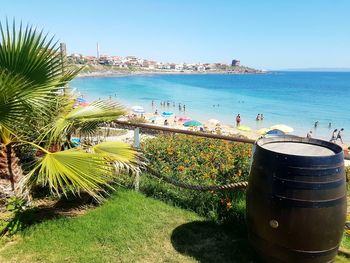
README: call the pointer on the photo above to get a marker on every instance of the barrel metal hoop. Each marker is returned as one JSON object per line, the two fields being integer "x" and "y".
{"x": 290, "y": 202}
{"x": 263, "y": 244}
{"x": 282, "y": 183}
{"x": 287, "y": 171}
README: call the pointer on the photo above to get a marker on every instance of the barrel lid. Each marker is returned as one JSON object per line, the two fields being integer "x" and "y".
{"x": 298, "y": 146}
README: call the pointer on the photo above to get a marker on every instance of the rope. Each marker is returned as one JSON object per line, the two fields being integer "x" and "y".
{"x": 239, "y": 185}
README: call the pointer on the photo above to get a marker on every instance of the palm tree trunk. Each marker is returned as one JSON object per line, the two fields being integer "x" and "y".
{"x": 10, "y": 173}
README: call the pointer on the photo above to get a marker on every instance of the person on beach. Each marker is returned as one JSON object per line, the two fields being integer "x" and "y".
{"x": 156, "y": 112}
{"x": 339, "y": 135}
{"x": 261, "y": 116}
{"x": 152, "y": 103}
{"x": 258, "y": 117}
{"x": 309, "y": 135}
{"x": 184, "y": 107}
{"x": 166, "y": 123}
{"x": 218, "y": 129}
{"x": 238, "y": 120}
{"x": 316, "y": 124}
{"x": 329, "y": 125}
{"x": 175, "y": 120}
{"x": 334, "y": 136}
{"x": 180, "y": 108}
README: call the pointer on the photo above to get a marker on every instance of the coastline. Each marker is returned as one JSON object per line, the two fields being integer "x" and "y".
{"x": 124, "y": 73}
{"x": 199, "y": 101}
{"x": 210, "y": 126}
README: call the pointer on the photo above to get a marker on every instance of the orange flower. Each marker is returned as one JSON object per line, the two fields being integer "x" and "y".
{"x": 180, "y": 168}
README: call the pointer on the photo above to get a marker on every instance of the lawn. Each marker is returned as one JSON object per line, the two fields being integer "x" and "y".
{"x": 130, "y": 227}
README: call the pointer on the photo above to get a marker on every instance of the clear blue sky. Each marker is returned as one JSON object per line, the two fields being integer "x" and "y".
{"x": 268, "y": 34}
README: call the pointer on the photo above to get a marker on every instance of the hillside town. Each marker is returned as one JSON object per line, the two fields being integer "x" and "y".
{"x": 141, "y": 64}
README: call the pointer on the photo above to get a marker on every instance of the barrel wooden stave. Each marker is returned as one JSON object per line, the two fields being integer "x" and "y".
{"x": 306, "y": 196}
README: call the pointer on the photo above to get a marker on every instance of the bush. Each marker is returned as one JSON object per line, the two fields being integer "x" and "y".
{"x": 347, "y": 173}
{"x": 198, "y": 161}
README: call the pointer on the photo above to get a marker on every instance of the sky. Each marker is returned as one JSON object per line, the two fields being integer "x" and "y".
{"x": 265, "y": 34}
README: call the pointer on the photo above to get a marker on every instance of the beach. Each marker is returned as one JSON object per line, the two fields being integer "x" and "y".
{"x": 291, "y": 98}
{"x": 211, "y": 126}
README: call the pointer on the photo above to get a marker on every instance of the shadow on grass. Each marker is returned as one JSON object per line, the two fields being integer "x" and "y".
{"x": 47, "y": 209}
{"x": 208, "y": 242}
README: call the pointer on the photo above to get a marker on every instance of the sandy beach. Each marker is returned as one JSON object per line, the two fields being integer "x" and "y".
{"x": 211, "y": 126}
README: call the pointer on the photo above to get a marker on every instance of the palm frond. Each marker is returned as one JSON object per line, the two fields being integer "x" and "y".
{"x": 123, "y": 157}
{"x": 72, "y": 171}
{"x": 98, "y": 110}
{"x": 33, "y": 55}
{"x": 31, "y": 73}
{"x": 116, "y": 151}
{"x": 85, "y": 117}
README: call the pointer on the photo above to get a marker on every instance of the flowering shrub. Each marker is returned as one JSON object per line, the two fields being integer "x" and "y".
{"x": 198, "y": 161}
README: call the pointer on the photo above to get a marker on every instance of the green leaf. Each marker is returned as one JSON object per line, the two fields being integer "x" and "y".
{"x": 85, "y": 118}
{"x": 72, "y": 171}
{"x": 115, "y": 151}
{"x": 31, "y": 74}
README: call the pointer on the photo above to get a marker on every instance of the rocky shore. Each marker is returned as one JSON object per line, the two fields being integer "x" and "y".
{"x": 110, "y": 71}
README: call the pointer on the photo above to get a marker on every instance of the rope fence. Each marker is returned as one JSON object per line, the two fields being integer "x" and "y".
{"x": 231, "y": 186}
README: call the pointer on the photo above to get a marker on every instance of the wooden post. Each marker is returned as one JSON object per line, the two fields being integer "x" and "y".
{"x": 63, "y": 52}
{"x": 137, "y": 137}
{"x": 137, "y": 181}
{"x": 137, "y": 146}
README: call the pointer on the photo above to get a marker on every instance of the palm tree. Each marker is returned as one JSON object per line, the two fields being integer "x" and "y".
{"x": 31, "y": 82}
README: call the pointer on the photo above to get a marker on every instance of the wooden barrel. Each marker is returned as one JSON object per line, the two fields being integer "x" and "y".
{"x": 296, "y": 199}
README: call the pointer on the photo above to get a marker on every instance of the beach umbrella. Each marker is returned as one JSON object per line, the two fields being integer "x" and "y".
{"x": 244, "y": 128}
{"x": 214, "y": 121}
{"x": 192, "y": 123}
{"x": 84, "y": 104}
{"x": 275, "y": 132}
{"x": 81, "y": 100}
{"x": 184, "y": 119}
{"x": 167, "y": 113}
{"x": 263, "y": 131}
{"x": 282, "y": 127}
{"x": 138, "y": 109}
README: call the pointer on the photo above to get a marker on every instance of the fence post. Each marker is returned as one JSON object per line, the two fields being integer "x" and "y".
{"x": 137, "y": 137}
{"x": 137, "y": 146}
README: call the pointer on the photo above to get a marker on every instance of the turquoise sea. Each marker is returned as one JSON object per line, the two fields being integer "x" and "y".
{"x": 297, "y": 99}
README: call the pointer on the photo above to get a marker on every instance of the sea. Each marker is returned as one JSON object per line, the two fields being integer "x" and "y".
{"x": 296, "y": 99}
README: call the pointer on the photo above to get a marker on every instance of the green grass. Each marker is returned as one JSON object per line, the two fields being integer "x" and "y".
{"x": 346, "y": 241}
{"x": 129, "y": 227}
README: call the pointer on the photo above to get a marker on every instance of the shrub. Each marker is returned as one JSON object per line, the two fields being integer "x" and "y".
{"x": 347, "y": 173}
{"x": 198, "y": 161}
